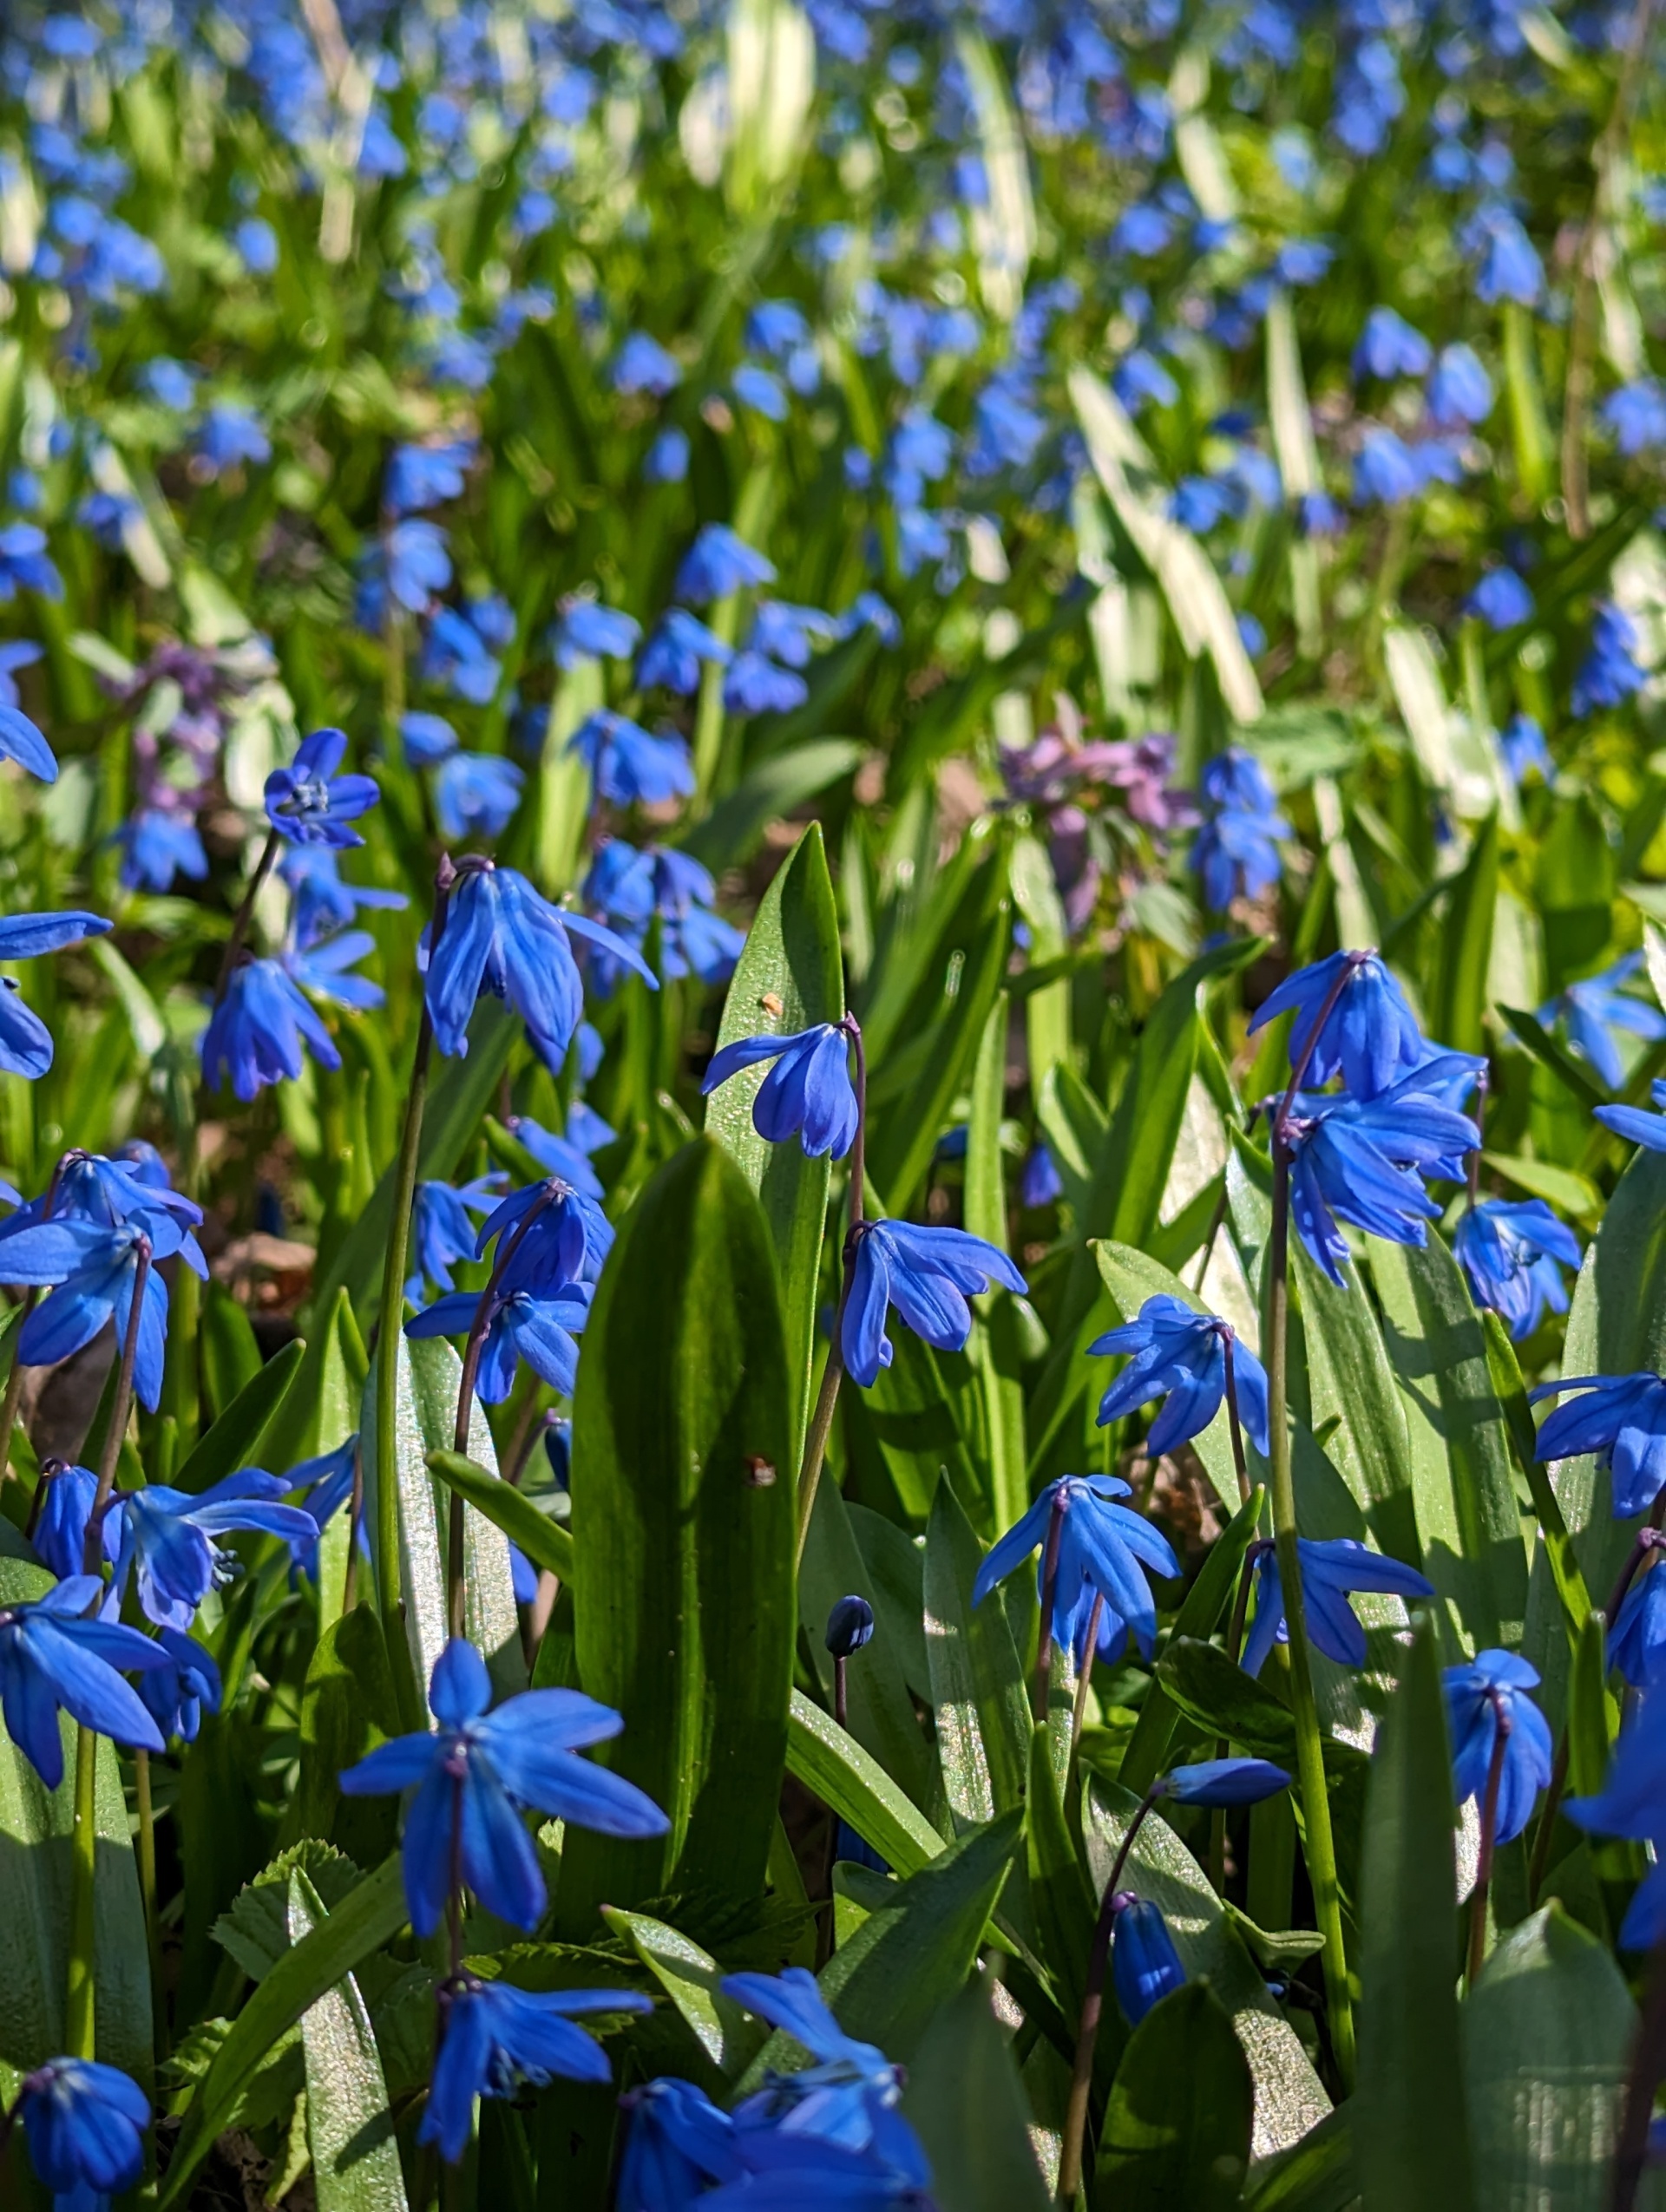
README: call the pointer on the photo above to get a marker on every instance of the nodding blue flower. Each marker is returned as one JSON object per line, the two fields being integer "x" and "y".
{"x": 1513, "y": 1255}
{"x": 1461, "y": 391}
{"x": 849, "y": 1626}
{"x": 90, "y": 1187}
{"x": 1522, "y": 743}
{"x": 1389, "y": 346}
{"x": 812, "y": 2171}
{"x": 1591, "y": 1009}
{"x": 493, "y": 2037}
{"x": 675, "y": 653}
{"x": 868, "y": 612}
{"x": 566, "y": 1237}
{"x": 1632, "y": 1803}
{"x": 500, "y": 935}
{"x": 755, "y": 685}
{"x": 1318, "y": 515}
{"x": 590, "y": 631}
{"x": 1475, "y": 1693}
{"x": 52, "y": 1655}
{"x": 167, "y": 1538}
{"x": 666, "y": 461}
{"x": 807, "y": 1094}
{"x": 1370, "y": 1036}
{"x": 16, "y": 653}
{"x": 85, "y": 2126}
{"x": 426, "y": 739}
{"x": 839, "y": 2096}
{"x": 1039, "y": 1182}
{"x": 308, "y": 803}
{"x": 157, "y": 844}
{"x": 1180, "y": 1356}
{"x": 557, "y": 1155}
{"x": 1362, "y": 1161}
{"x": 1332, "y": 1570}
{"x": 1102, "y": 1547}
{"x": 1636, "y": 415}
{"x": 1510, "y": 268}
{"x": 642, "y": 365}
{"x": 1501, "y": 599}
{"x": 477, "y": 793}
{"x": 92, "y": 1270}
{"x": 1145, "y": 1966}
{"x": 1636, "y": 1640}
{"x": 455, "y": 655}
{"x": 61, "y": 1530}
{"x": 1236, "y": 853}
{"x": 628, "y": 764}
{"x": 20, "y": 740}
{"x": 719, "y": 563}
{"x": 257, "y": 246}
{"x": 25, "y": 565}
{"x": 1139, "y": 376}
{"x": 927, "y": 1274}
{"x": 172, "y": 384}
{"x": 25, "y": 1041}
{"x": 1610, "y": 674}
{"x": 761, "y": 391}
{"x": 256, "y": 1034}
{"x": 175, "y": 1694}
{"x": 538, "y": 1330}
{"x": 106, "y": 516}
{"x": 1622, "y": 1419}
{"x": 480, "y": 1773}
{"x": 1200, "y": 502}
{"x": 1386, "y": 471}
{"x": 1636, "y": 1123}
{"x": 322, "y": 903}
{"x": 327, "y": 1482}
{"x": 785, "y": 632}
{"x": 324, "y": 967}
{"x": 420, "y": 476}
{"x": 676, "y": 2142}
{"x": 1224, "y": 1782}
{"x": 230, "y": 436}
{"x": 417, "y": 564}
{"x": 441, "y": 1231}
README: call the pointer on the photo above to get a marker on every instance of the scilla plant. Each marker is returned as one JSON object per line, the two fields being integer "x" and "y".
{"x": 832, "y": 864}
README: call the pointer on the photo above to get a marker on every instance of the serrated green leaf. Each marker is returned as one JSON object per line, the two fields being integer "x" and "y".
{"x": 256, "y": 1931}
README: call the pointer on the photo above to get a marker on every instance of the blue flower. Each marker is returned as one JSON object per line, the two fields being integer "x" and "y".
{"x": 808, "y": 1093}
{"x": 456, "y": 655}
{"x": 1522, "y": 742}
{"x": 1501, "y": 599}
{"x": 1622, "y": 1419}
{"x": 673, "y": 654}
{"x": 559, "y": 1155}
{"x": 785, "y": 632}
{"x": 1145, "y": 1966}
{"x": 788, "y": 2171}
{"x": 719, "y": 563}
{"x": 588, "y": 631}
{"x": 677, "y": 2142}
{"x": 20, "y": 740}
{"x": 1590, "y": 1010}
{"x": 1609, "y": 674}
{"x": 628, "y": 764}
{"x": 61, "y": 1531}
{"x": 1637, "y": 1642}
{"x": 1180, "y": 1356}
{"x": 1461, "y": 391}
{"x": 256, "y": 1033}
{"x": 25, "y": 1041}
{"x": 1370, "y": 1036}
{"x": 755, "y": 685}
{"x": 538, "y": 1330}
{"x": 1102, "y": 1547}
{"x": 230, "y": 436}
{"x": 927, "y": 1274}
{"x": 420, "y": 476}
{"x": 25, "y": 565}
{"x": 477, "y": 1775}
{"x": 167, "y": 1538}
{"x": 1331, "y": 1572}
{"x": 1636, "y": 1123}
{"x": 493, "y": 2037}
{"x": 1224, "y": 1782}
{"x": 1632, "y": 1803}
{"x": 175, "y": 1694}
{"x": 157, "y": 845}
{"x": 1510, "y": 1254}
{"x": 417, "y": 564}
{"x": 760, "y": 391}
{"x": 426, "y": 739}
{"x": 1475, "y": 1693}
{"x": 324, "y": 903}
{"x": 567, "y": 1237}
{"x": 1361, "y": 1161}
{"x": 172, "y": 384}
{"x": 1236, "y": 852}
{"x": 1636, "y": 415}
{"x": 1386, "y": 469}
{"x": 257, "y": 246}
{"x": 839, "y": 2096}
{"x": 442, "y": 1232}
{"x": 1389, "y": 346}
{"x": 1510, "y": 268}
{"x": 93, "y": 1270}
{"x": 477, "y": 793}
{"x": 308, "y": 803}
{"x": 1039, "y": 1182}
{"x": 52, "y": 1655}
{"x": 667, "y": 461}
{"x": 849, "y": 1626}
{"x": 642, "y": 365}
{"x": 85, "y": 2124}
{"x": 500, "y": 936}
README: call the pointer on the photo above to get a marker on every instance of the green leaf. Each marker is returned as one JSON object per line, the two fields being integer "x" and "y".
{"x": 1064, "y": 1904}
{"x": 1468, "y": 1516}
{"x": 791, "y": 961}
{"x": 230, "y": 1358}
{"x": 1561, "y": 1065}
{"x": 255, "y": 1931}
{"x": 231, "y": 1441}
{"x": 1219, "y": 1698}
{"x": 1177, "y": 2129}
{"x": 543, "y": 1539}
{"x": 977, "y": 1678}
{"x": 993, "y": 1349}
{"x": 429, "y": 1377}
{"x": 1456, "y": 997}
{"x": 348, "y": 1704}
{"x": 965, "y": 2100}
{"x": 777, "y": 786}
{"x": 1553, "y": 1537}
{"x": 1574, "y": 1194}
{"x": 693, "y": 1979}
{"x": 1410, "y": 2124}
{"x": 1351, "y": 1383}
{"x": 36, "y": 1825}
{"x": 1316, "y": 2174}
{"x": 368, "y": 1916}
{"x": 1547, "y": 2036}
{"x": 682, "y": 1507}
{"x": 348, "y": 2127}
{"x": 1288, "y": 2099}
{"x": 921, "y": 1416}
{"x": 851, "y": 1783}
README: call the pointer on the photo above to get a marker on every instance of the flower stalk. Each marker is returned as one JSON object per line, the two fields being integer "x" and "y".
{"x": 827, "y": 1399}
{"x": 1482, "y": 1890}
{"x": 1073, "y": 2149}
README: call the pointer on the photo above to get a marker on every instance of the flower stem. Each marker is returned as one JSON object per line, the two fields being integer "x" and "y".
{"x": 1321, "y": 1848}
{"x": 1489, "y": 1832}
{"x": 245, "y": 914}
{"x": 1079, "y": 1713}
{"x": 1073, "y": 2149}
{"x": 827, "y": 1399}
{"x": 1235, "y": 1428}
{"x": 91, "y": 1551}
{"x": 1049, "y": 1583}
{"x": 78, "y": 2023}
{"x": 146, "y": 1843}
{"x": 13, "y": 1386}
{"x": 1542, "y": 1833}
{"x": 1648, "y": 2063}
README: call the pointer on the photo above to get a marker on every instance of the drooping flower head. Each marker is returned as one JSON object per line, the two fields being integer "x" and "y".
{"x": 1632, "y": 1803}
{"x": 1513, "y": 1255}
{"x": 1487, "y": 1693}
{"x": 93, "y": 1273}
{"x": 1590, "y": 1011}
{"x": 85, "y": 2126}
{"x": 1180, "y": 1356}
{"x": 850, "y": 2082}
{"x": 493, "y": 2037}
{"x": 53, "y": 1656}
{"x": 538, "y": 1330}
{"x": 1333, "y": 1570}
{"x": 25, "y": 1041}
{"x": 1362, "y": 1161}
{"x": 1103, "y": 1546}
{"x": 167, "y": 1538}
{"x": 1622, "y": 1419}
{"x": 257, "y": 1033}
{"x": 927, "y": 1274}
{"x": 1145, "y": 1966}
{"x": 807, "y": 1094}
{"x": 1370, "y": 1037}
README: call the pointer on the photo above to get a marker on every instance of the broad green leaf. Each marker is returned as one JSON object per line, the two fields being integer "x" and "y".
{"x": 1289, "y": 2099}
{"x": 1316, "y": 2174}
{"x": 693, "y": 1979}
{"x": 230, "y": 1358}
{"x": 327, "y": 1402}
{"x": 543, "y": 1539}
{"x": 1561, "y": 1186}
{"x": 1414, "y": 2144}
{"x": 1351, "y": 1385}
{"x": 368, "y": 1916}
{"x": 429, "y": 1377}
{"x": 897, "y": 1570}
{"x": 1456, "y": 997}
{"x": 1553, "y": 1538}
{"x": 1046, "y": 1011}
{"x": 977, "y": 1678}
{"x": 348, "y": 2127}
{"x": 966, "y": 2102}
{"x": 834, "y": 1767}
{"x": 348, "y": 1704}
{"x": 787, "y": 977}
{"x": 231, "y": 1441}
{"x": 682, "y": 1508}
{"x": 922, "y": 1414}
{"x": 1547, "y": 2035}
{"x": 1219, "y": 1698}
{"x": 1468, "y": 1516}
{"x": 993, "y": 1348}
{"x": 36, "y": 1825}
{"x": 1064, "y": 1904}
{"x": 1561, "y": 1065}
{"x": 1075, "y": 1126}
{"x": 1178, "y": 2126}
